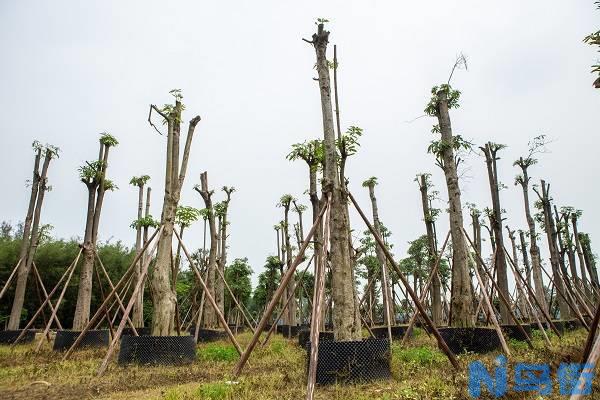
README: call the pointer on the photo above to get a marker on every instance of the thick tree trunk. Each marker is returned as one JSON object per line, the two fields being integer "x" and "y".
{"x": 163, "y": 293}
{"x": 462, "y": 297}
{"x": 496, "y": 222}
{"x": 344, "y": 311}
{"x": 436, "y": 296}
{"x": 590, "y": 260}
{"x": 587, "y": 284}
{"x": 26, "y": 243}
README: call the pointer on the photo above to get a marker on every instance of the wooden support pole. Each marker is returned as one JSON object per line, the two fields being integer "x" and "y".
{"x": 442, "y": 344}
{"x": 39, "y": 279}
{"x": 235, "y": 300}
{"x": 502, "y": 298}
{"x": 276, "y": 297}
{"x": 32, "y": 320}
{"x": 10, "y": 278}
{"x": 532, "y": 295}
{"x": 121, "y": 282}
{"x": 211, "y": 300}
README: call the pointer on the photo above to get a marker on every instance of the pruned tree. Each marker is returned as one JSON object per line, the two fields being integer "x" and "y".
{"x": 388, "y": 301}
{"x": 138, "y": 306}
{"x": 285, "y": 202}
{"x": 221, "y": 210}
{"x": 589, "y": 257}
{"x": 429, "y": 216}
{"x": 346, "y": 314}
{"x": 163, "y": 296}
{"x": 93, "y": 175}
{"x": 210, "y": 317}
{"x": 535, "y": 146}
{"x": 31, "y": 227}
{"x": 593, "y": 286}
{"x": 490, "y": 150}
{"x": 442, "y": 100}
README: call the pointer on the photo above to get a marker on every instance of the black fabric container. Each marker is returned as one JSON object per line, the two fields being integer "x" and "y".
{"x": 157, "y": 350}
{"x": 9, "y": 337}
{"x": 476, "y": 340}
{"x": 240, "y": 328}
{"x": 352, "y": 362}
{"x": 146, "y": 331}
{"x": 513, "y": 331}
{"x": 288, "y": 330}
{"x": 398, "y": 331}
{"x": 209, "y": 335}
{"x": 93, "y": 338}
{"x": 304, "y": 337}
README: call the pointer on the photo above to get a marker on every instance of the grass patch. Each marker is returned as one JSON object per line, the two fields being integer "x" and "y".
{"x": 217, "y": 352}
{"x": 214, "y": 391}
{"x": 417, "y": 355}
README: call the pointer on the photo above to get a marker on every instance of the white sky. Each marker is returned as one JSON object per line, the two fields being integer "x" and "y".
{"x": 73, "y": 69}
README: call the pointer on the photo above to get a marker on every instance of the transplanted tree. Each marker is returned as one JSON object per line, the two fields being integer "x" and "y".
{"x": 93, "y": 175}
{"x": 138, "y": 306}
{"x": 285, "y": 202}
{"x": 221, "y": 210}
{"x": 210, "y": 317}
{"x": 430, "y": 214}
{"x": 443, "y": 99}
{"x": 388, "y": 302}
{"x": 491, "y": 157}
{"x": 31, "y": 227}
{"x": 163, "y": 296}
{"x": 346, "y": 322}
{"x": 523, "y": 179}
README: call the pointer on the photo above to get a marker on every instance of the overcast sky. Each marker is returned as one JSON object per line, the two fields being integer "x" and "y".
{"x": 73, "y": 69}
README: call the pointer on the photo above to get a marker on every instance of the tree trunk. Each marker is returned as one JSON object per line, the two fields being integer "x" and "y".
{"x": 138, "y": 307}
{"x": 588, "y": 289}
{"x": 436, "y": 296}
{"x": 210, "y": 317}
{"x": 496, "y": 222}
{"x": 23, "y": 271}
{"x": 554, "y": 255}
{"x": 291, "y": 288}
{"x": 461, "y": 303}
{"x": 534, "y": 250}
{"x": 163, "y": 294}
{"x": 344, "y": 311}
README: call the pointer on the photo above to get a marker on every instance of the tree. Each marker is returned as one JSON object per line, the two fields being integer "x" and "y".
{"x": 581, "y": 255}
{"x": 443, "y": 99}
{"x": 589, "y": 257}
{"x": 238, "y": 275}
{"x": 285, "y": 202}
{"x": 163, "y": 296}
{"x": 346, "y": 321}
{"x": 523, "y": 179}
{"x": 491, "y": 157}
{"x": 388, "y": 301}
{"x": 593, "y": 39}
{"x": 429, "y": 216}
{"x": 210, "y": 316}
{"x": 31, "y": 227}
{"x": 93, "y": 175}
{"x": 267, "y": 283}
{"x": 221, "y": 210}
{"x": 138, "y": 306}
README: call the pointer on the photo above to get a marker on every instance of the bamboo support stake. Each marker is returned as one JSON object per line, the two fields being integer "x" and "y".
{"x": 10, "y": 278}
{"x": 235, "y": 300}
{"x": 39, "y": 279}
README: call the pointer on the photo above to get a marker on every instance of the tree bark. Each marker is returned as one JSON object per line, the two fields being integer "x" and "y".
{"x": 496, "y": 222}
{"x": 436, "y": 296}
{"x": 461, "y": 303}
{"x": 344, "y": 312}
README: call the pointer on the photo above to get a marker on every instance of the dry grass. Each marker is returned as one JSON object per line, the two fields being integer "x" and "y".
{"x": 420, "y": 371}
